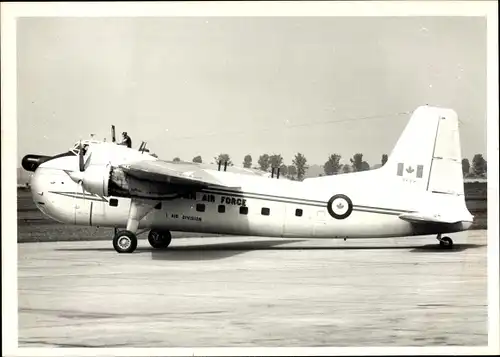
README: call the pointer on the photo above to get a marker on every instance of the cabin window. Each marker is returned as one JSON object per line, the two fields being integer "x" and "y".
{"x": 113, "y": 202}
{"x": 221, "y": 209}
{"x": 298, "y": 212}
{"x": 158, "y": 206}
{"x": 200, "y": 207}
{"x": 265, "y": 211}
{"x": 243, "y": 210}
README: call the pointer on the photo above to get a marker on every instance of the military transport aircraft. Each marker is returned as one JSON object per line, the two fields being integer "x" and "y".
{"x": 419, "y": 191}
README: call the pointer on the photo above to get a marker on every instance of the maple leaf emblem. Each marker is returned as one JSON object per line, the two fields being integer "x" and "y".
{"x": 409, "y": 169}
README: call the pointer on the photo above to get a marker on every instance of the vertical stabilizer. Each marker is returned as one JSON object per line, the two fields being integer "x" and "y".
{"x": 427, "y": 156}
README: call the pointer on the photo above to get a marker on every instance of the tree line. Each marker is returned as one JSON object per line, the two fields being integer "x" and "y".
{"x": 479, "y": 167}
{"x": 332, "y": 166}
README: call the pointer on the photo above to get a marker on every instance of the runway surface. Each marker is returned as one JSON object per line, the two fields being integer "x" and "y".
{"x": 237, "y": 292}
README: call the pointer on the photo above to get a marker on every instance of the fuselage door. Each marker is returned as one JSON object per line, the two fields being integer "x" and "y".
{"x": 297, "y": 222}
{"x": 320, "y": 220}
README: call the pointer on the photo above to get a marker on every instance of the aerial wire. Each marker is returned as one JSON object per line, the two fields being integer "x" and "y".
{"x": 290, "y": 126}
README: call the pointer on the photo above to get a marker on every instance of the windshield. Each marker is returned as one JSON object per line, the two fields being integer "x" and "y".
{"x": 80, "y": 146}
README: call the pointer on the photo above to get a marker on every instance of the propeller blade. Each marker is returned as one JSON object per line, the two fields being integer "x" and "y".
{"x": 87, "y": 162}
{"x": 80, "y": 158}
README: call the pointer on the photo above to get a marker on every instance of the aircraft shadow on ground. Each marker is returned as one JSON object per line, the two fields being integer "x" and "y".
{"x": 436, "y": 248}
{"x": 225, "y": 250}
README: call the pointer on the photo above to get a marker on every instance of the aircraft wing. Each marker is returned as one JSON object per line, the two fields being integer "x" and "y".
{"x": 171, "y": 173}
{"x": 416, "y": 217}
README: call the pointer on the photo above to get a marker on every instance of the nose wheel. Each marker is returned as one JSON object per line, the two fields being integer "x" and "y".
{"x": 159, "y": 239}
{"x": 445, "y": 242}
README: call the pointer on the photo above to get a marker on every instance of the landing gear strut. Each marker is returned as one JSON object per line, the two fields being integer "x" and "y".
{"x": 445, "y": 242}
{"x": 159, "y": 239}
{"x": 126, "y": 241}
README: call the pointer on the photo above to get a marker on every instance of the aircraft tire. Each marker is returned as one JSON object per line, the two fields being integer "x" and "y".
{"x": 125, "y": 242}
{"x": 446, "y": 242}
{"x": 159, "y": 239}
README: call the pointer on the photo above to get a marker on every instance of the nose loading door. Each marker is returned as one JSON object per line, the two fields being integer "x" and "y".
{"x": 83, "y": 204}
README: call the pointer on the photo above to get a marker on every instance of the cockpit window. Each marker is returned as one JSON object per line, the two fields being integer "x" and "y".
{"x": 76, "y": 149}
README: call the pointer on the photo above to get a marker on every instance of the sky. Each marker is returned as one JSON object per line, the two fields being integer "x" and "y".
{"x": 247, "y": 85}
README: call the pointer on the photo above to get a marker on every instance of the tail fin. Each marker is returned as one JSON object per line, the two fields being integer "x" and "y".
{"x": 428, "y": 156}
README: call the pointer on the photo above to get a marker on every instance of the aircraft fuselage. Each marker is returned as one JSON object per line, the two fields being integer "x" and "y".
{"x": 262, "y": 207}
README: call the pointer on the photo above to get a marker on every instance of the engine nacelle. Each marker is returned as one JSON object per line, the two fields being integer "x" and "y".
{"x": 96, "y": 179}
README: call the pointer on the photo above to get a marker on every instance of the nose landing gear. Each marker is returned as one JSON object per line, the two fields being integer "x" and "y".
{"x": 445, "y": 242}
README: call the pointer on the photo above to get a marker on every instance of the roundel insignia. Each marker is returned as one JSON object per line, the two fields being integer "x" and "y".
{"x": 339, "y": 206}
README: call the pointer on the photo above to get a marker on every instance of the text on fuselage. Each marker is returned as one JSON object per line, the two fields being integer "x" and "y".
{"x": 204, "y": 197}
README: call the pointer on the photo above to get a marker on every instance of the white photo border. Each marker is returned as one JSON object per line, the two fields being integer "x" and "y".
{"x": 11, "y": 11}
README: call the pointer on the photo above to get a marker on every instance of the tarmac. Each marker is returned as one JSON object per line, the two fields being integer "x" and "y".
{"x": 255, "y": 292}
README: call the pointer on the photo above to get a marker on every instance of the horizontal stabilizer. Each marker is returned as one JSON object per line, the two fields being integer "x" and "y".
{"x": 416, "y": 217}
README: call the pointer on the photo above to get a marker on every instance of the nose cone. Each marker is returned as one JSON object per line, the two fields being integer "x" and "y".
{"x": 48, "y": 199}
{"x": 37, "y": 191}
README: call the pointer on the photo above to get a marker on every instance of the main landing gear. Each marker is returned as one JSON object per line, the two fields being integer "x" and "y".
{"x": 125, "y": 241}
{"x": 159, "y": 239}
{"x": 445, "y": 242}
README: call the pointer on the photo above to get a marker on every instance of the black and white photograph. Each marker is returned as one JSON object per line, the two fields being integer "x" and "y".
{"x": 302, "y": 176}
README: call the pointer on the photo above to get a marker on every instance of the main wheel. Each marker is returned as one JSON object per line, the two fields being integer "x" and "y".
{"x": 125, "y": 242}
{"x": 446, "y": 242}
{"x": 159, "y": 239}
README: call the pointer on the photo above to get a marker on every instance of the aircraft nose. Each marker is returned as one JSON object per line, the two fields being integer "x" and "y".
{"x": 37, "y": 190}
{"x": 48, "y": 202}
